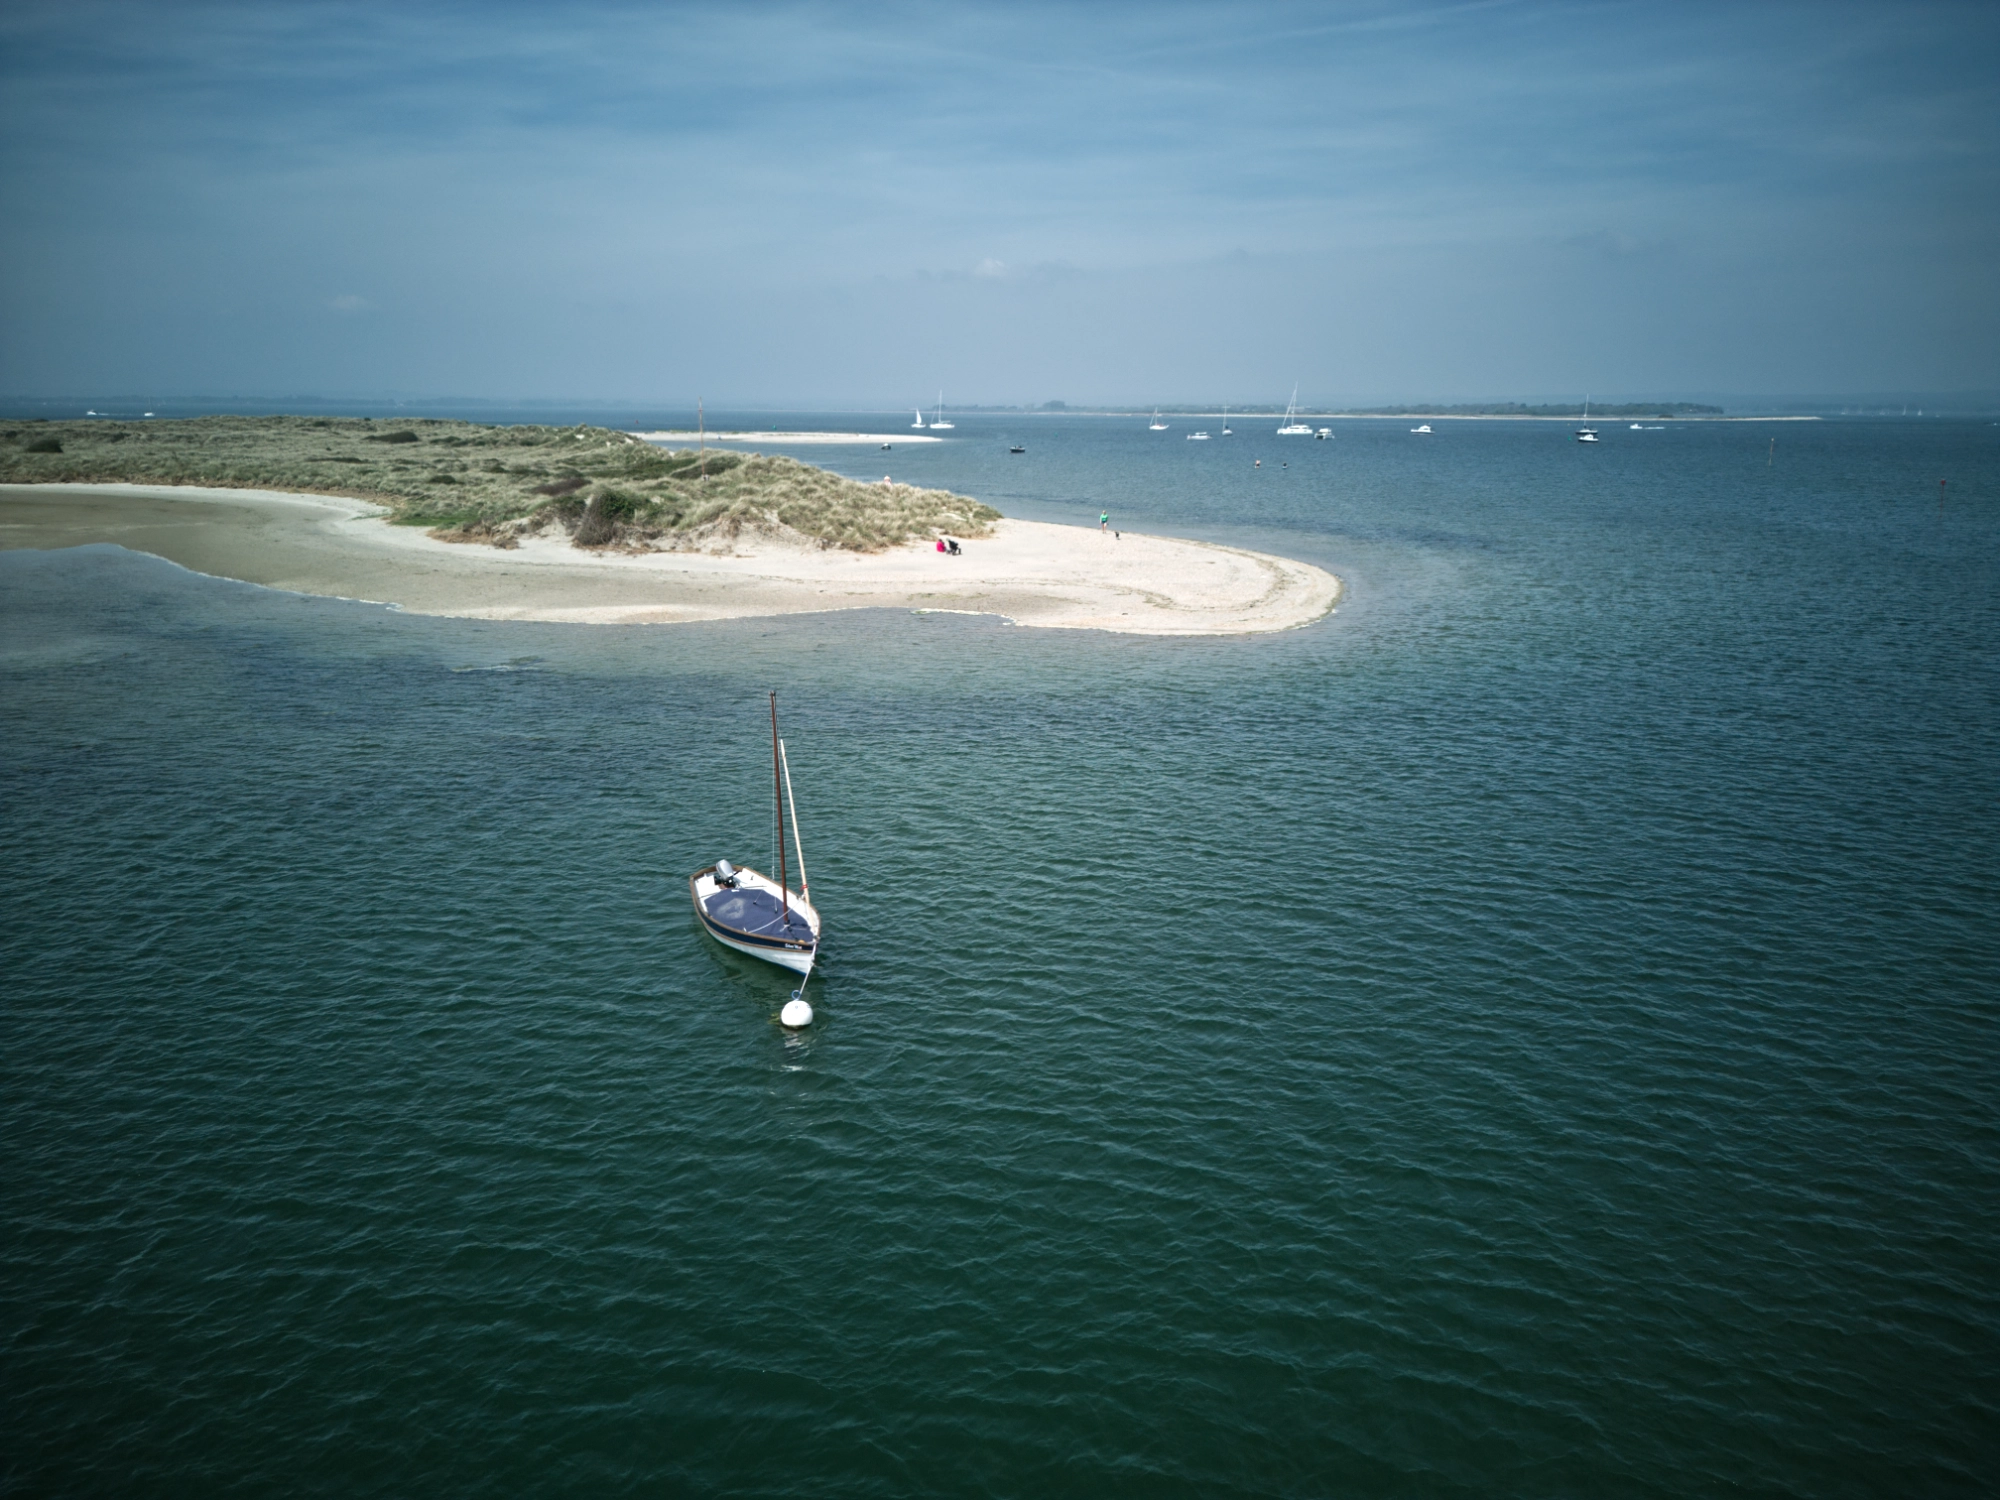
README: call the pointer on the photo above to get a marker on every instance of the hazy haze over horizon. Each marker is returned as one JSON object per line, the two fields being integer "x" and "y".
{"x": 1122, "y": 204}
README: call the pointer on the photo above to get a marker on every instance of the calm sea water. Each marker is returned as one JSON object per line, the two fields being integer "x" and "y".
{"x": 1531, "y": 1033}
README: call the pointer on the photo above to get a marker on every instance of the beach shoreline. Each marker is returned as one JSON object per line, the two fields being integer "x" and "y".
{"x": 804, "y": 439}
{"x": 1029, "y": 572}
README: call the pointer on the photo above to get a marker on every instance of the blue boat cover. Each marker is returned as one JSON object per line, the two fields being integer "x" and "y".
{"x": 756, "y": 912}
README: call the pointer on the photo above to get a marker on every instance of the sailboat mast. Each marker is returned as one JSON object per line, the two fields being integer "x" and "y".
{"x": 778, "y": 796}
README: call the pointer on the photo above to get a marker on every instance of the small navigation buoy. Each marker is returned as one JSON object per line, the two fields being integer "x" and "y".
{"x": 796, "y": 1014}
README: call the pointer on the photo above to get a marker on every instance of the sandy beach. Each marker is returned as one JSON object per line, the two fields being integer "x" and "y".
{"x": 681, "y": 439}
{"x": 1029, "y": 572}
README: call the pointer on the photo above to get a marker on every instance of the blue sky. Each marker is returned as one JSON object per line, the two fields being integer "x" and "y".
{"x": 1107, "y": 203}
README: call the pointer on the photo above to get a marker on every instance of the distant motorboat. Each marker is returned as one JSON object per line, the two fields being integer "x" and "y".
{"x": 885, "y": 447}
{"x": 1324, "y": 433}
{"x": 938, "y": 423}
{"x": 1017, "y": 448}
{"x": 1197, "y": 437}
{"x": 1293, "y": 426}
{"x": 1158, "y": 425}
{"x": 919, "y": 423}
{"x": 1425, "y": 428}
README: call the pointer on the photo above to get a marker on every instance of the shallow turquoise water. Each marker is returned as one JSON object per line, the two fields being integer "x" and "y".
{"x": 1531, "y": 1033}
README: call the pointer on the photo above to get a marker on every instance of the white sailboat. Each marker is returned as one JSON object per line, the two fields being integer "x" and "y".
{"x": 1158, "y": 425}
{"x": 1293, "y": 426}
{"x": 1225, "y": 421}
{"x": 938, "y": 423}
{"x": 918, "y": 424}
{"x": 742, "y": 908}
{"x": 1586, "y": 433}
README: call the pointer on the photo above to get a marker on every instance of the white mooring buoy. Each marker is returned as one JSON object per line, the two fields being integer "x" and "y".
{"x": 797, "y": 1013}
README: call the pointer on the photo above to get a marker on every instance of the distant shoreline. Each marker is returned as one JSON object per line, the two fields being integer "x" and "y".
{"x": 1236, "y": 415}
{"x": 1446, "y": 416}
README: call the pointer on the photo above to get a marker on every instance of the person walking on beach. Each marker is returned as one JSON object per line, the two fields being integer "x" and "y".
{"x": 1104, "y": 521}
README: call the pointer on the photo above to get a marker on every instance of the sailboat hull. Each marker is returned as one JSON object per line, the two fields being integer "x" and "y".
{"x": 749, "y": 918}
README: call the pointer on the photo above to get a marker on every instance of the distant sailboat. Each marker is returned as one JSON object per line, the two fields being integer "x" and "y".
{"x": 1225, "y": 421}
{"x": 1293, "y": 426}
{"x": 918, "y": 424}
{"x": 938, "y": 423}
{"x": 1158, "y": 425}
{"x": 1586, "y": 433}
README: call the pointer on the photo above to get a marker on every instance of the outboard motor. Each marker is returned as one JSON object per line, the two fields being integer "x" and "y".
{"x": 725, "y": 873}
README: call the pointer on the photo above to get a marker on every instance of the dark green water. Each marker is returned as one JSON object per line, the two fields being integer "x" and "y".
{"x": 1532, "y": 1033}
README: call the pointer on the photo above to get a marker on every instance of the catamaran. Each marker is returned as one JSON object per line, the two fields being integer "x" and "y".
{"x": 938, "y": 423}
{"x": 1293, "y": 426}
{"x": 748, "y": 911}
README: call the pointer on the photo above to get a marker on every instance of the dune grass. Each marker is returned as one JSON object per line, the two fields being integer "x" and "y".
{"x": 474, "y": 483}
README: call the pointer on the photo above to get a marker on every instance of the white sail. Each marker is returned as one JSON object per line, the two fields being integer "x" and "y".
{"x": 792, "y": 805}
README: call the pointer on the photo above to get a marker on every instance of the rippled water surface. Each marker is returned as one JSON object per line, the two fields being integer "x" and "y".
{"x": 1532, "y": 1032}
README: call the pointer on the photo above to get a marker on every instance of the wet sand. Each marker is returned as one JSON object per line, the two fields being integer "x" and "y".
{"x": 1028, "y": 571}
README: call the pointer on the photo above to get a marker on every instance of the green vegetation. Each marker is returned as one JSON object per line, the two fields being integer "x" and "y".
{"x": 474, "y": 483}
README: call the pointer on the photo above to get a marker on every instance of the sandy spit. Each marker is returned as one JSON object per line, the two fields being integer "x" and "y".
{"x": 677, "y": 439}
{"x": 1032, "y": 573}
